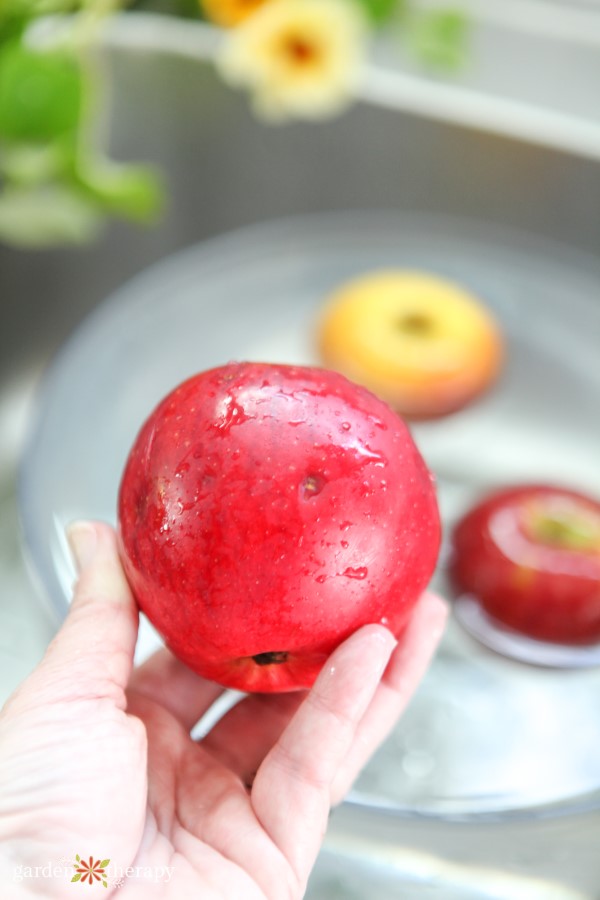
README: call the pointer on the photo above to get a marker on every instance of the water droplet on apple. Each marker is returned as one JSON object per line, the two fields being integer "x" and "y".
{"x": 360, "y": 572}
{"x": 230, "y": 413}
{"x": 345, "y": 544}
{"x": 378, "y": 423}
{"x": 321, "y": 579}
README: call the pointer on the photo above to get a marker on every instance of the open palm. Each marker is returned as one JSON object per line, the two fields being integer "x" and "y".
{"x": 98, "y": 760}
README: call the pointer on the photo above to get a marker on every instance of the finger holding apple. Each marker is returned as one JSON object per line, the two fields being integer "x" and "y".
{"x": 265, "y": 513}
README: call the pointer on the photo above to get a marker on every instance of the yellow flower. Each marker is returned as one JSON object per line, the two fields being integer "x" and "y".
{"x": 230, "y": 12}
{"x": 298, "y": 57}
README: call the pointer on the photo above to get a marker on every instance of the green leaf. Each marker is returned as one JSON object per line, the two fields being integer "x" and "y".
{"x": 134, "y": 192}
{"x": 439, "y": 38}
{"x": 380, "y": 11}
{"x": 104, "y": 863}
{"x": 41, "y": 94}
{"x": 30, "y": 164}
{"x": 76, "y": 877}
{"x": 45, "y": 217}
{"x": 11, "y": 26}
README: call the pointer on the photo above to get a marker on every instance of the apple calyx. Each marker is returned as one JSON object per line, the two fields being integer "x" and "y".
{"x": 564, "y": 528}
{"x": 270, "y": 658}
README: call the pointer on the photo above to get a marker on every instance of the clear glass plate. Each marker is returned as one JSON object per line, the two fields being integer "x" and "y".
{"x": 485, "y": 733}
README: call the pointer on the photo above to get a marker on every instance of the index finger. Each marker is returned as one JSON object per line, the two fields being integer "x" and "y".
{"x": 291, "y": 793}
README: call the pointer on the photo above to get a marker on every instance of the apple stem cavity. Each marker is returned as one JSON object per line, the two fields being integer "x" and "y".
{"x": 565, "y": 529}
{"x": 416, "y": 323}
{"x": 271, "y": 658}
{"x": 312, "y": 485}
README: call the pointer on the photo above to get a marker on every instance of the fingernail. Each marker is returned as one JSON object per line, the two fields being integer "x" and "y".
{"x": 383, "y": 643}
{"x": 385, "y": 637}
{"x": 438, "y": 614}
{"x": 81, "y": 537}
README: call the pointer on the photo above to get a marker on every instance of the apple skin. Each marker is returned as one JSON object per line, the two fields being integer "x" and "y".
{"x": 531, "y": 555}
{"x": 266, "y": 512}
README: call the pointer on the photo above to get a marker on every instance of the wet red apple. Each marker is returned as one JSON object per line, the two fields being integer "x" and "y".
{"x": 268, "y": 511}
{"x": 531, "y": 555}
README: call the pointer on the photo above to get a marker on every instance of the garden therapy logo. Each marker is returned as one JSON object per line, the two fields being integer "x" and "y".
{"x": 93, "y": 870}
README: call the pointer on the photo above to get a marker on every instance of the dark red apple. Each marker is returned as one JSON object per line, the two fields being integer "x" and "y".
{"x": 268, "y": 511}
{"x": 531, "y": 555}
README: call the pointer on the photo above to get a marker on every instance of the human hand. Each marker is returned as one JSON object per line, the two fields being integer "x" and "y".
{"x": 97, "y": 759}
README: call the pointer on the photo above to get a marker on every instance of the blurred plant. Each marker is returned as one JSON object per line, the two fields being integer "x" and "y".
{"x": 228, "y": 13}
{"x": 439, "y": 38}
{"x": 303, "y": 58}
{"x": 298, "y": 58}
{"x": 57, "y": 185}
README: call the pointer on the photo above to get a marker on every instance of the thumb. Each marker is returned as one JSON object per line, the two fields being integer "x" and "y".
{"x": 91, "y": 655}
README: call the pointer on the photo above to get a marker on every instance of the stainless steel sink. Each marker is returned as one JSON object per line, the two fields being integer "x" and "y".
{"x": 224, "y": 169}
